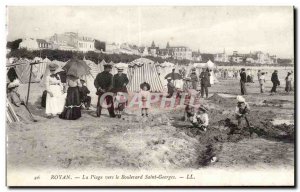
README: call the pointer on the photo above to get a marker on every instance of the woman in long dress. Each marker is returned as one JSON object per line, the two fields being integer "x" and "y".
{"x": 55, "y": 96}
{"x": 288, "y": 82}
{"x": 72, "y": 109}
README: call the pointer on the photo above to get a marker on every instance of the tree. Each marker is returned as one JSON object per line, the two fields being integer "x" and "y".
{"x": 13, "y": 45}
{"x": 99, "y": 45}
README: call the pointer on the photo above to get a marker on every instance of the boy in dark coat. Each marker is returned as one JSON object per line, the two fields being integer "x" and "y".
{"x": 205, "y": 82}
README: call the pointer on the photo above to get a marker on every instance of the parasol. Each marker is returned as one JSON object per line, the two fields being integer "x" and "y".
{"x": 77, "y": 68}
{"x": 174, "y": 76}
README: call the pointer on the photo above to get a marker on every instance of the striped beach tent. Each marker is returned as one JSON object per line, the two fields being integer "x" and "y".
{"x": 101, "y": 65}
{"x": 143, "y": 70}
{"x": 23, "y": 71}
{"x": 94, "y": 67}
{"x": 11, "y": 115}
{"x": 39, "y": 69}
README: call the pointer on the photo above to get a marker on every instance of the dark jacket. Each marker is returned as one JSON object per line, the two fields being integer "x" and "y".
{"x": 83, "y": 91}
{"x": 275, "y": 79}
{"x": 119, "y": 81}
{"x": 205, "y": 79}
{"x": 243, "y": 76}
{"x": 104, "y": 81}
{"x": 171, "y": 88}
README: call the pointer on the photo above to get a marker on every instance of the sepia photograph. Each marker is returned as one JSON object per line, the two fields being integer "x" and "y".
{"x": 150, "y": 96}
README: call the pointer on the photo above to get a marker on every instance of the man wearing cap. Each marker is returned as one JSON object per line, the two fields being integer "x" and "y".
{"x": 242, "y": 109}
{"x": 243, "y": 81}
{"x": 275, "y": 81}
{"x": 120, "y": 81}
{"x": 104, "y": 84}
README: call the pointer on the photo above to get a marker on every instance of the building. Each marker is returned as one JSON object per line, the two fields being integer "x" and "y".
{"x": 178, "y": 52}
{"x": 196, "y": 56}
{"x": 221, "y": 57}
{"x": 35, "y": 44}
{"x": 43, "y": 44}
{"x": 85, "y": 44}
{"x": 257, "y": 57}
{"x": 112, "y": 48}
{"x": 73, "y": 42}
{"x": 237, "y": 58}
{"x": 29, "y": 44}
{"x": 153, "y": 50}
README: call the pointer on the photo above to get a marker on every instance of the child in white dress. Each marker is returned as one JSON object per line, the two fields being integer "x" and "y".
{"x": 145, "y": 97}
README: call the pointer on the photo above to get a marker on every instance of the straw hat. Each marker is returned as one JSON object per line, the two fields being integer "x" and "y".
{"x": 53, "y": 66}
{"x": 145, "y": 84}
{"x": 120, "y": 69}
{"x": 107, "y": 65}
{"x": 203, "y": 108}
{"x": 240, "y": 99}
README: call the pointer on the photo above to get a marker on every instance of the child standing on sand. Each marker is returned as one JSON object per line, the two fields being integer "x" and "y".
{"x": 145, "y": 98}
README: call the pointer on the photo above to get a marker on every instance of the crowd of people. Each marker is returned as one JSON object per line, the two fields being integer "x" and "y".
{"x": 66, "y": 98}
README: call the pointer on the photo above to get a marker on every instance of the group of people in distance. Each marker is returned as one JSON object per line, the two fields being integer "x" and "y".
{"x": 262, "y": 80}
{"x": 190, "y": 82}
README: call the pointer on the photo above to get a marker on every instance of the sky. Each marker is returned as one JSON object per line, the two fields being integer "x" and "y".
{"x": 208, "y": 29}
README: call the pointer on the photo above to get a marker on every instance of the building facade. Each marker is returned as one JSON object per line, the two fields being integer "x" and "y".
{"x": 29, "y": 44}
{"x": 178, "y": 52}
{"x": 221, "y": 57}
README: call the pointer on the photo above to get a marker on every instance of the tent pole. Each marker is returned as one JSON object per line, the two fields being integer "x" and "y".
{"x": 29, "y": 85}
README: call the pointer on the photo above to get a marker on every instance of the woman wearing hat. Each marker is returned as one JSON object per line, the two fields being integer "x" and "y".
{"x": 288, "y": 82}
{"x": 55, "y": 97}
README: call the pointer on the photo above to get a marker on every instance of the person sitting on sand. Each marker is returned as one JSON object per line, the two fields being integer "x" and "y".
{"x": 13, "y": 93}
{"x": 242, "y": 109}
{"x": 200, "y": 118}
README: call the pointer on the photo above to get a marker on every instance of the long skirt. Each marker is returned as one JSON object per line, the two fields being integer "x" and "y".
{"x": 288, "y": 86}
{"x": 55, "y": 104}
{"x": 72, "y": 110}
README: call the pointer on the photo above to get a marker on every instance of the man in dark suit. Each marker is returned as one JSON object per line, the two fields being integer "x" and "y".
{"x": 243, "y": 81}
{"x": 120, "y": 81}
{"x": 104, "y": 85}
{"x": 205, "y": 82}
{"x": 275, "y": 81}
